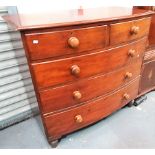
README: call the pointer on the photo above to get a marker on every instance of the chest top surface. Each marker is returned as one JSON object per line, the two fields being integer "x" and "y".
{"x": 73, "y": 17}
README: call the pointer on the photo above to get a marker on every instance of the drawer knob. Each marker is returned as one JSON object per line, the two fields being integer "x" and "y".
{"x": 77, "y": 95}
{"x": 132, "y": 53}
{"x": 75, "y": 70}
{"x": 73, "y": 42}
{"x": 134, "y": 30}
{"x": 128, "y": 75}
{"x": 78, "y": 119}
{"x": 126, "y": 96}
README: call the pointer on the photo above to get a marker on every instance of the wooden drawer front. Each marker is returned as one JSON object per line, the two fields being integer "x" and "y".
{"x": 73, "y": 94}
{"x": 60, "y": 71}
{"x": 122, "y": 32}
{"x": 76, "y": 118}
{"x": 50, "y": 44}
{"x": 148, "y": 77}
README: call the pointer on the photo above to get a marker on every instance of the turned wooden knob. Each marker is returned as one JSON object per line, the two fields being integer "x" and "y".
{"x": 153, "y": 8}
{"x": 78, "y": 119}
{"x": 134, "y": 30}
{"x": 77, "y": 95}
{"x": 73, "y": 42}
{"x": 75, "y": 70}
{"x": 132, "y": 53}
{"x": 128, "y": 75}
{"x": 126, "y": 96}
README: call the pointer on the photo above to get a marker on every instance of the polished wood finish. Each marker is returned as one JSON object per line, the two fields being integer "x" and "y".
{"x": 74, "y": 17}
{"x": 63, "y": 123}
{"x": 85, "y": 64}
{"x": 61, "y": 97}
{"x": 129, "y": 30}
{"x": 52, "y": 73}
{"x": 148, "y": 77}
{"x": 70, "y": 41}
{"x": 147, "y": 82}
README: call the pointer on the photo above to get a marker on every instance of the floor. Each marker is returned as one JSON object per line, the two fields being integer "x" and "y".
{"x": 127, "y": 128}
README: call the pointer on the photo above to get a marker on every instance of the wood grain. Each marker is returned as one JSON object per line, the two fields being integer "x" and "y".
{"x": 62, "y": 123}
{"x": 51, "y": 44}
{"x": 121, "y": 32}
{"x": 147, "y": 77}
{"x": 56, "y": 72}
{"x": 62, "y": 97}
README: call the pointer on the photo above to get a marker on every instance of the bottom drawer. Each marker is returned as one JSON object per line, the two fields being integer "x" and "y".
{"x": 70, "y": 120}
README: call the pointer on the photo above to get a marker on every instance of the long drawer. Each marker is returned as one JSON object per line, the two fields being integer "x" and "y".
{"x": 50, "y": 73}
{"x": 75, "y": 93}
{"x": 57, "y": 43}
{"x": 127, "y": 31}
{"x": 76, "y": 118}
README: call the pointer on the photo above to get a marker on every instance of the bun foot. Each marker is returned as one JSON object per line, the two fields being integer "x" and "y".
{"x": 54, "y": 143}
{"x": 131, "y": 103}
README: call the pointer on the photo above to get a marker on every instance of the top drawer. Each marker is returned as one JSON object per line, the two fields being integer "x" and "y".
{"x": 57, "y": 43}
{"x": 127, "y": 31}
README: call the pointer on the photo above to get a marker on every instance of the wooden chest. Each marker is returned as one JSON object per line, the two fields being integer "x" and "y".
{"x": 85, "y": 64}
{"x": 147, "y": 82}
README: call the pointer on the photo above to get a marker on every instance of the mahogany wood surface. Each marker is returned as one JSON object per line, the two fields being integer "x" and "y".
{"x": 152, "y": 33}
{"x": 148, "y": 76}
{"x": 56, "y": 43}
{"x": 65, "y": 122}
{"x": 85, "y": 63}
{"x": 122, "y": 32}
{"x": 61, "y": 97}
{"x": 147, "y": 82}
{"x": 56, "y": 72}
{"x": 63, "y": 18}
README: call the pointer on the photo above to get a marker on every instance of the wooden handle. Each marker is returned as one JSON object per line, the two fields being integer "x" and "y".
{"x": 128, "y": 75}
{"x": 77, "y": 95}
{"x": 126, "y": 96}
{"x": 153, "y": 8}
{"x": 75, "y": 70}
{"x": 134, "y": 30}
{"x": 73, "y": 42}
{"x": 132, "y": 53}
{"x": 78, "y": 119}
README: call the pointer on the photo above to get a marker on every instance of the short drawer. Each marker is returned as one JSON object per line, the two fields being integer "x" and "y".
{"x": 127, "y": 31}
{"x": 51, "y": 73}
{"x": 74, "y": 94}
{"x": 76, "y": 118}
{"x": 51, "y": 44}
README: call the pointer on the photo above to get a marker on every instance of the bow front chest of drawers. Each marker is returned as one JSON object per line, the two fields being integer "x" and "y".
{"x": 85, "y": 64}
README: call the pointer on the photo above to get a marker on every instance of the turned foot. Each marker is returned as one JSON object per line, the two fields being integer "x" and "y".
{"x": 131, "y": 103}
{"x": 54, "y": 143}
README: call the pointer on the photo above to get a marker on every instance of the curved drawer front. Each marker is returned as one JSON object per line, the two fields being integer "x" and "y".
{"x": 60, "y": 71}
{"x": 73, "y": 94}
{"x": 76, "y": 118}
{"x": 127, "y": 31}
{"x": 50, "y": 44}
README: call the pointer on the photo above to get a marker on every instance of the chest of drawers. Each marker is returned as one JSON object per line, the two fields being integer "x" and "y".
{"x": 84, "y": 64}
